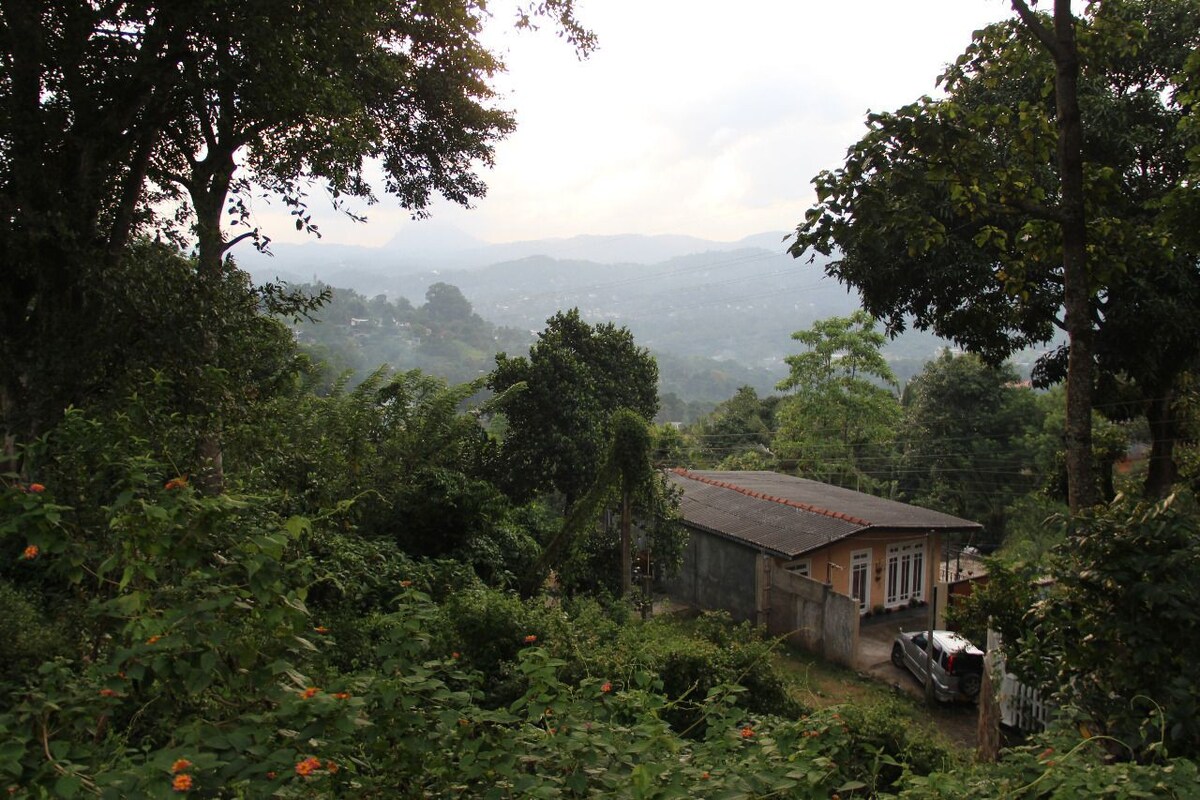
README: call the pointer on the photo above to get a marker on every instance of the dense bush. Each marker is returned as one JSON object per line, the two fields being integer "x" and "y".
{"x": 1058, "y": 765}
{"x": 217, "y": 648}
{"x": 1118, "y": 633}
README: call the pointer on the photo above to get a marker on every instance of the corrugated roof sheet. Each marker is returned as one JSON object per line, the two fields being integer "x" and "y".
{"x": 791, "y": 516}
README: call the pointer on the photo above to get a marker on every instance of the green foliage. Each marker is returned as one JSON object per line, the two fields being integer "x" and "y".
{"x": 443, "y": 337}
{"x": 839, "y": 418}
{"x": 999, "y": 602}
{"x": 418, "y": 466}
{"x": 1036, "y": 525}
{"x": 672, "y": 448}
{"x": 32, "y": 635}
{"x": 1116, "y": 632}
{"x": 158, "y": 119}
{"x": 966, "y": 429}
{"x": 583, "y": 555}
{"x": 742, "y": 424}
{"x": 214, "y": 631}
{"x": 693, "y": 662}
{"x": 946, "y": 214}
{"x": 1110, "y": 443}
{"x": 559, "y": 420}
{"x": 489, "y": 631}
{"x": 1057, "y": 765}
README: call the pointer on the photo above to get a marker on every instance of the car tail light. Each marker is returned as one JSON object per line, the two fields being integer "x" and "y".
{"x": 950, "y": 665}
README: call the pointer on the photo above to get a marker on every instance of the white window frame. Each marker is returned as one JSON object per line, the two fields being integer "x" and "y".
{"x": 860, "y": 570}
{"x": 905, "y": 573}
{"x": 801, "y": 567}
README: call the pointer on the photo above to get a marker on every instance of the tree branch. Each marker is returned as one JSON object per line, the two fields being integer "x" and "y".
{"x": 1044, "y": 34}
{"x": 1048, "y": 213}
{"x": 229, "y": 245}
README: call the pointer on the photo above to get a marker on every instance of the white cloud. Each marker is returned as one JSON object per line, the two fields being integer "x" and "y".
{"x": 702, "y": 118}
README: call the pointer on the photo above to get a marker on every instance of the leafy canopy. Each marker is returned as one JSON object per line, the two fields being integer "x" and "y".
{"x": 842, "y": 403}
{"x": 558, "y": 419}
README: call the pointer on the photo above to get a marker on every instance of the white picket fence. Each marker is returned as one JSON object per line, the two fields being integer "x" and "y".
{"x": 1021, "y": 706}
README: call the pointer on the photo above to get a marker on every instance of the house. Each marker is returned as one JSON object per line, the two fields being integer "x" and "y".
{"x": 770, "y": 548}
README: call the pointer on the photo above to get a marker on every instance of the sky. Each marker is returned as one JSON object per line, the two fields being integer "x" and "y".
{"x": 692, "y": 117}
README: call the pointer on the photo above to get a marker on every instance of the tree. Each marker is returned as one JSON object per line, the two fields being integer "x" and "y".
{"x": 965, "y": 451}
{"x": 446, "y": 305}
{"x": 841, "y": 411}
{"x": 1115, "y": 632}
{"x": 954, "y": 211}
{"x": 110, "y": 111}
{"x": 743, "y": 422}
{"x": 627, "y": 472}
{"x": 558, "y": 423}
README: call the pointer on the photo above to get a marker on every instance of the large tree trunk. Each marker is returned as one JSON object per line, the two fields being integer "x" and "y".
{"x": 1082, "y": 492}
{"x": 1161, "y": 472}
{"x": 1081, "y": 482}
{"x": 626, "y": 543}
{"x": 209, "y": 188}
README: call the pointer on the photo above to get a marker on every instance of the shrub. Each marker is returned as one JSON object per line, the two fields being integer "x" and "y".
{"x": 1117, "y": 635}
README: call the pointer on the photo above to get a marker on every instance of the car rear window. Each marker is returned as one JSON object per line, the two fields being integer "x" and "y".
{"x": 959, "y": 663}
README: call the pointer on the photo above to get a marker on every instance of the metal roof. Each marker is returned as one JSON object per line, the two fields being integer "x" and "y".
{"x": 791, "y": 516}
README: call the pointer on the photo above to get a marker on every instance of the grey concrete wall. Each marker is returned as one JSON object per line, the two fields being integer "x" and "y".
{"x": 812, "y": 615}
{"x": 841, "y": 629}
{"x": 717, "y": 574}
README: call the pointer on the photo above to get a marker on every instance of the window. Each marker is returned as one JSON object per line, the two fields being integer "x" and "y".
{"x": 860, "y": 578}
{"x": 803, "y": 567}
{"x": 905, "y": 573}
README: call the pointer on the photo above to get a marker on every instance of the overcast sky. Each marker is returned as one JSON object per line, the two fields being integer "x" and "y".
{"x": 692, "y": 117}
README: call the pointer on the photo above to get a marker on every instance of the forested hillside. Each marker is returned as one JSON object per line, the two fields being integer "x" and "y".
{"x": 238, "y": 560}
{"x": 735, "y": 309}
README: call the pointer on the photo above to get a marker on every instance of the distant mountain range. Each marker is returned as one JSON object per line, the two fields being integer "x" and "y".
{"x": 683, "y": 296}
{"x": 425, "y": 248}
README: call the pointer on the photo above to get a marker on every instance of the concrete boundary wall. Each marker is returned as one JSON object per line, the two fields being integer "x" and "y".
{"x": 719, "y": 574}
{"x": 809, "y": 613}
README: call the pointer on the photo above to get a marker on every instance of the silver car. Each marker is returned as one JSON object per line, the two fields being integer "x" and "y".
{"x": 957, "y": 664}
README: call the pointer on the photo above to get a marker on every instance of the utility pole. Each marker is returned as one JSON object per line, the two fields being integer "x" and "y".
{"x": 626, "y": 543}
{"x": 930, "y": 696}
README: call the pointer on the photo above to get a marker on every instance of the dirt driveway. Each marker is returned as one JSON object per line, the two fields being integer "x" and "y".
{"x": 875, "y": 638}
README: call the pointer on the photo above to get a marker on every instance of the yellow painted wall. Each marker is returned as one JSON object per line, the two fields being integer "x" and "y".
{"x": 825, "y": 562}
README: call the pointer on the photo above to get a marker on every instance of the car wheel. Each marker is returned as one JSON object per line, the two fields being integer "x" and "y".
{"x": 969, "y": 684}
{"x": 898, "y": 655}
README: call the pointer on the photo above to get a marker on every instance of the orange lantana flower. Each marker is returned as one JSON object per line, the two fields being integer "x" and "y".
{"x": 30, "y": 552}
{"x": 331, "y": 767}
{"x": 606, "y": 687}
{"x": 309, "y": 693}
{"x": 181, "y": 765}
{"x": 108, "y": 693}
{"x": 37, "y": 488}
{"x": 153, "y": 639}
{"x": 175, "y": 483}
{"x": 530, "y": 639}
{"x": 342, "y": 695}
{"x": 308, "y": 766}
{"x": 182, "y": 782}
{"x": 747, "y": 732}
{"x": 321, "y": 629}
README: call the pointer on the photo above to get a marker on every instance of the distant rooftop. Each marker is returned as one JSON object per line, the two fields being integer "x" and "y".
{"x": 791, "y": 516}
